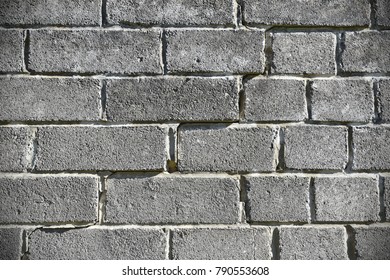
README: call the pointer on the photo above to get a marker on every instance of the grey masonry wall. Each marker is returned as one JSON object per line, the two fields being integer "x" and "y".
{"x": 188, "y": 129}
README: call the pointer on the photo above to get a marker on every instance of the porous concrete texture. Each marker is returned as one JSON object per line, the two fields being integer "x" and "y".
{"x": 49, "y": 99}
{"x": 383, "y": 12}
{"x": 384, "y": 100}
{"x": 172, "y": 99}
{"x": 48, "y": 12}
{"x": 277, "y": 199}
{"x": 344, "y": 100}
{"x": 95, "y": 51}
{"x": 313, "y": 243}
{"x": 307, "y": 13}
{"x": 48, "y": 199}
{"x": 316, "y": 147}
{"x": 14, "y": 148}
{"x": 11, "y": 50}
{"x": 371, "y": 148}
{"x": 386, "y": 198}
{"x": 226, "y": 148}
{"x": 372, "y": 242}
{"x": 303, "y": 53}
{"x": 222, "y": 244}
{"x": 156, "y": 200}
{"x": 171, "y": 12}
{"x": 97, "y": 244}
{"x": 275, "y": 100}
{"x": 229, "y": 51}
{"x": 366, "y": 52}
{"x": 11, "y": 241}
{"x": 346, "y": 199}
{"x": 100, "y": 148}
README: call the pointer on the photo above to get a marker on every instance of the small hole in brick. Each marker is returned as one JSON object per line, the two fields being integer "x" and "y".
{"x": 198, "y": 60}
{"x": 140, "y": 59}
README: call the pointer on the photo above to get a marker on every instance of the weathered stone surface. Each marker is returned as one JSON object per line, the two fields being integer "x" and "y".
{"x": 386, "y": 199}
{"x": 173, "y": 98}
{"x": 313, "y": 243}
{"x": 41, "y": 199}
{"x": 221, "y": 51}
{"x": 14, "y": 148}
{"x": 316, "y": 147}
{"x": 277, "y": 199}
{"x": 10, "y": 243}
{"x": 97, "y": 244}
{"x": 383, "y": 12}
{"x": 346, "y": 100}
{"x": 275, "y": 100}
{"x": 170, "y": 12}
{"x": 95, "y": 51}
{"x": 100, "y": 148}
{"x": 49, "y": 99}
{"x": 372, "y": 242}
{"x": 303, "y": 53}
{"x": 226, "y": 148}
{"x": 384, "y": 100}
{"x": 222, "y": 244}
{"x": 11, "y": 50}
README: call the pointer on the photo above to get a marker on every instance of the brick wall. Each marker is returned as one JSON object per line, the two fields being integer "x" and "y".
{"x": 189, "y": 129}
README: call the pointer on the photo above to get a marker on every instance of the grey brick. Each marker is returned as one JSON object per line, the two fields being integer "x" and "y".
{"x": 303, "y": 53}
{"x": 383, "y": 12}
{"x": 46, "y": 12}
{"x": 100, "y": 148}
{"x": 386, "y": 199}
{"x": 14, "y": 148}
{"x": 221, "y": 148}
{"x": 277, "y": 199}
{"x": 97, "y": 244}
{"x": 228, "y": 51}
{"x": 345, "y": 100}
{"x": 11, "y": 50}
{"x": 316, "y": 147}
{"x": 30, "y": 199}
{"x": 170, "y": 12}
{"x": 371, "y": 148}
{"x": 95, "y": 51}
{"x": 222, "y": 244}
{"x": 172, "y": 200}
{"x": 49, "y": 99}
{"x": 313, "y": 243}
{"x": 275, "y": 100}
{"x": 372, "y": 242}
{"x": 346, "y": 199}
{"x": 384, "y": 100}
{"x": 181, "y": 99}
{"x": 10, "y": 243}
{"x": 322, "y": 13}
{"x": 366, "y": 52}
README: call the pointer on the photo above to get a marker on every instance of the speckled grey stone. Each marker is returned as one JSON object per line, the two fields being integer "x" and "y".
{"x": 14, "y": 148}
{"x": 11, "y": 50}
{"x": 383, "y": 12}
{"x": 386, "y": 198}
{"x": 10, "y": 243}
{"x": 222, "y": 244}
{"x": 372, "y": 242}
{"x": 384, "y": 100}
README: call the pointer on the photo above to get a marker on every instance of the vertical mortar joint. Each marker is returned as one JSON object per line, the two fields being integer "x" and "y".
{"x": 26, "y": 50}
{"x": 244, "y": 205}
{"x": 172, "y": 146}
{"x": 163, "y": 61}
{"x": 348, "y": 167}
{"x": 351, "y": 243}
{"x": 103, "y": 14}
{"x": 279, "y": 156}
{"x": 377, "y": 102}
{"x": 309, "y": 98}
{"x": 312, "y": 204}
{"x": 382, "y": 209}
{"x": 275, "y": 244}
{"x": 340, "y": 48}
{"x": 32, "y": 146}
{"x": 373, "y": 14}
{"x": 269, "y": 54}
{"x": 103, "y": 100}
{"x": 102, "y": 197}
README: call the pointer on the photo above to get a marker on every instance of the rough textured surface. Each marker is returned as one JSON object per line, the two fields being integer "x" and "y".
{"x": 383, "y": 12}
{"x": 97, "y": 244}
{"x": 313, "y": 243}
{"x": 11, "y": 50}
{"x": 371, "y": 148}
{"x": 384, "y": 100}
{"x": 303, "y": 53}
{"x": 386, "y": 198}
{"x": 320, "y": 13}
{"x": 49, "y": 99}
{"x": 273, "y": 199}
{"x": 48, "y": 199}
{"x": 221, "y": 148}
{"x": 95, "y": 51}
{"x": 222, "y": 244}
{"x": 366, "y": 52}
{"x": 10, "y": 243}
{"x": 275, "y": 100}
{"x": 13, "y": 148}
{"x": 346, "y": 100}
{"x": 316, "y": 147}
{"x": 346, "y": 199}
{"x": 170, "y": 12}
{"x": 372, "y": 242}
{"x": 100, "y": 148}
{"x": 49, "y": 12}
{"x": 172, "y": 200}
{"x": 226, "y": 51}
{"x": 168, "y": 99}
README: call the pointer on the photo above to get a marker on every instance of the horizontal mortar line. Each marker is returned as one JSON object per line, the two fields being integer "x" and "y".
{"x": 286, "y": 28}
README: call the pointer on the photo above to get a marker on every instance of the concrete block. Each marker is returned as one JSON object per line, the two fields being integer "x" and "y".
{"x": 386, "y": 198}
{"x": 14, "y": 148}
{"x": 384, "y": 100}
{"x": 222, "y": 244}
{"x": 172, "y": 99}
{"x": 10, "y": 243}
{"x": 372, "y": 242}
{"x": 11, "y": 50}
{"x": 383, "y": 12}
